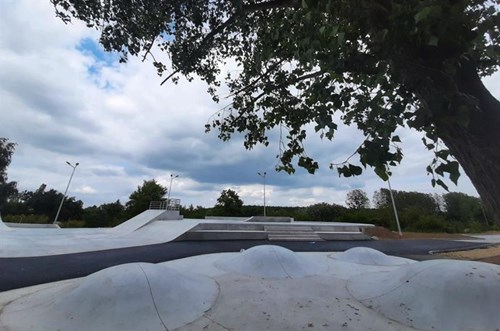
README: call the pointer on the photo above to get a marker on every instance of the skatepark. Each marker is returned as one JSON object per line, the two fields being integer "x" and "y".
{"x": 158, "y": 271}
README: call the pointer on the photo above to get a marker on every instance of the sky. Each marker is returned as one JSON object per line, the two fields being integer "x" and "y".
{"x": 63, "y": 99}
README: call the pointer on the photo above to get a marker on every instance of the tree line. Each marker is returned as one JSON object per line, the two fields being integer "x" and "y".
{"x": 451, "y": 212}
{"x": 40, "y": 206}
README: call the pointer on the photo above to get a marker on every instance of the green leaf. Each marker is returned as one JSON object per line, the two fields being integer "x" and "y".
{"x": 355, "y": 170}
{"x": 344, "y": 171}
{"x": 422, "y": 14}
{"x": 334, "y": 31}
{"x": 454, "y": 172}
{"x": 442, "y": 184}
{"x": 341, "y": 38}
{"x": 382, "y": 173}
{"x": 433, "y": 41}
{"x": 396, "y": 139}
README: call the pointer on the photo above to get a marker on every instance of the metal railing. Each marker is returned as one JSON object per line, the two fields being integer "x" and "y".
{"x": 169, "y": 204}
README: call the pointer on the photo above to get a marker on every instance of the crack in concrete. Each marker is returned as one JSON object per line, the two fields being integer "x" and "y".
{"x": 153, "y": 298}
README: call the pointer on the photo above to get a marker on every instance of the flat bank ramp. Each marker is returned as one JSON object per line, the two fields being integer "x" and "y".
{"x": 138, "y": 221}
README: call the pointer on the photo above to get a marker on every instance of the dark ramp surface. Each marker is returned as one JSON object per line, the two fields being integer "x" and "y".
{"x": 27, "y": 271}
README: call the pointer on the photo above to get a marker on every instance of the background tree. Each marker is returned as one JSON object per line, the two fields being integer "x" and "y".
{"x": 105, "y": 215}
{"x": 381, "y": 198}
{"x": 6, "y": 151}
{"x": 382, "y": 64}
{"x": 115, "y": 212}
{"x": 357, "y": 199}
{"x": 7, "y": 189}
{"x": 43, "y": 202}
{"x": 421, "y": 202}
{"x": 324, "y": 212}
{"x": 140, "y": 199}
{"x": 462, "y": 207}
{"x": 228, "y": 204}
{"x": 193, "y": 212}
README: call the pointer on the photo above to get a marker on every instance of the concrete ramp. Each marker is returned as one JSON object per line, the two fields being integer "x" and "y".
{"x": 138, "y": 221}
{"x": 3, "y": 226}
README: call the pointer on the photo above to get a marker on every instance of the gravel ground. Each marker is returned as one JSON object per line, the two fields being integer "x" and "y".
{"x": 489, "y": 254}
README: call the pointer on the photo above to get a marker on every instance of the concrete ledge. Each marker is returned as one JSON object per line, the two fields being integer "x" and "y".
{"x": 270, "y": 219}
{"x": 222, "y": 235}
{"x": 32, "y": 225}
{"x": 343, "y": 236}
{"x": 226, "y": 218}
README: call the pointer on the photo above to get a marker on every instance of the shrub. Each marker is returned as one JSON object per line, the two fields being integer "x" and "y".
{"x": 430, "y": 223}
{"x": 32, "y": 219}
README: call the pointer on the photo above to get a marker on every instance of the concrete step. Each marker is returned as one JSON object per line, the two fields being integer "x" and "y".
{"x": 291, "y": 233}
{"x": 294, "y": 237}
{"x": 287, "y": 228}
{"x": 343, "y": 236}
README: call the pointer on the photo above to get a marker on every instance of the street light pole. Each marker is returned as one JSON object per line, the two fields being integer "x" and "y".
{"x": 170, "y": 188}
{"x": 263, "y": 175}
{"x": 66, "y": 191}
{"x": 394, "y": 206}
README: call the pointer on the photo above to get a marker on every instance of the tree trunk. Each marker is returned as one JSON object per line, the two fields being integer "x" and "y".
{"x": 476, "y": 145}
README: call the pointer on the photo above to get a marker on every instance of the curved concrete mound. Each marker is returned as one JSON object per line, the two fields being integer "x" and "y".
{"x": 268, "y": 261}
{"x": 370, "y": 256}
{"x": 136, "y": 296}
{"x": 434, "y": 295}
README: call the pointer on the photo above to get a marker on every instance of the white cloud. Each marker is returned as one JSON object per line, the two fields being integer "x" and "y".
{"x": 86, "y": 190}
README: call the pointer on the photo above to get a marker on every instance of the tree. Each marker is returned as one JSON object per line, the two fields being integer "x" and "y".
{"x": 228, "y": 204}
{"x": 417, "y": 201}
{"x": 43, "y": 202}
{"x": 114, "y": 212}
{"x": 105, "y": 215}
{"x": 324, "y": 212}
{"x": 6, "y": 151}
{"x": 193, "y": 212}
{"x": 142, "y": 197}
{"x": 462, "y": 207}
{"x": 357, "y": 199}
{"x": 7, "y": 189}
{"x": 381, "y": 64}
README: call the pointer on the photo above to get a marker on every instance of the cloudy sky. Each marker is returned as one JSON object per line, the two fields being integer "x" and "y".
{"x": 62, "y": 99}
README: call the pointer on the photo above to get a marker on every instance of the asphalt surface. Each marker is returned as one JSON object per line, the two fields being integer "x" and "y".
{"x": 27, "y": 271}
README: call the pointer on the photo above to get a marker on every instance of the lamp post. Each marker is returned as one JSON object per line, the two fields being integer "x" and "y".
{"x": 170, "y": 188}
{"x": 394, "y": 205}
{"x": 66, "y": 191}
{"x": 263, "y": 175}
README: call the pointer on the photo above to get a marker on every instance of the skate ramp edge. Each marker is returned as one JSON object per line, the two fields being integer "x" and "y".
{"x": 139, "y": 221}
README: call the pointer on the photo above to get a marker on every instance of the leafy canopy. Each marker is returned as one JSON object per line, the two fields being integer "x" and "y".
{"x": 357, "y": 199}
{"x": 6, "y": 151}
{"x": 7, "y": 189}
{"x": 300, "y": 62}
{"x": 140, "y": 199}
{"x": 228, "y": 204}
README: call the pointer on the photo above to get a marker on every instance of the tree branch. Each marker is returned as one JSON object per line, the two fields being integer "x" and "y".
{"x": 244, "y": 9}
{"x": 264, "y": 74}
{"x": 148, "y": 50}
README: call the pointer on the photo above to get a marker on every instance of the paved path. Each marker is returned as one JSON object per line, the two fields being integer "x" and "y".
{"x": 27, "y": 271}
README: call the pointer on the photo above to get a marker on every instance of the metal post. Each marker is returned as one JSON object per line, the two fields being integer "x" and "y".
{"x": 264, "y": 177}
{"x": 66, "y": 191}
{"x": 170, "y": 188}
{"x": 394, "y": 206}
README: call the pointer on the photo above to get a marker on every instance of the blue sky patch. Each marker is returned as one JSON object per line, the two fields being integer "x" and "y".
{"x": 91, "y": 47}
